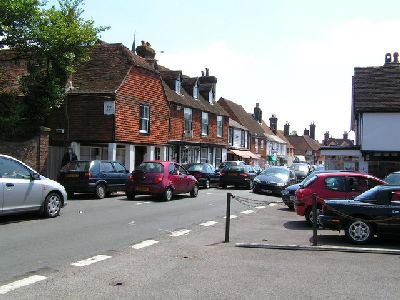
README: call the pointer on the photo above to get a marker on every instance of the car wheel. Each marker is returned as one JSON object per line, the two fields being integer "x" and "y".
{"x": 167, "y": 195}
{"x": 250, "y": 185}
{"x": 255, "y": 189}
{"x": 207, "y": 184}
{"x": 130, "y": 196}
{"x": 100, "y": 191}
{"x": 309, "y": 216}
{"x": 290, "y": 206}
{"x": 52, "y": 205}
{"x": 223, "y": 186}
{"x": 359, "y": 232}
{"x": 195, "y": 191}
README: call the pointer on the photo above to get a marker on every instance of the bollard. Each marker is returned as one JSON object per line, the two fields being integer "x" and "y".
{"x": 315, "y": 218}
{"x": 228, "y": 216}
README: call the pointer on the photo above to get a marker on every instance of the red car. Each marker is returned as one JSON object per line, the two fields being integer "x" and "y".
{"x": 344, "y": 185}
{"x": 163, "y": 178}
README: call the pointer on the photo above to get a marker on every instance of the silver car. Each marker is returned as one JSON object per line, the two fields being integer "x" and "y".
{"x": 22, "y": 189}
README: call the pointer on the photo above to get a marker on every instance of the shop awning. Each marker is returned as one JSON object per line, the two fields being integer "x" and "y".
{"x": 245, "y": 154}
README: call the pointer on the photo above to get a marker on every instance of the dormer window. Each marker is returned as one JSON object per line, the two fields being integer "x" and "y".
{"x": 178, "y": 86}
{"x": 196, "y": 91}
{"x": 211, "y": 96}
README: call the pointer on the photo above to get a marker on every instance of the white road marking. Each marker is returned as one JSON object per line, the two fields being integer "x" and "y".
{"x": 210, "y": 193}
{"x": 272, "y": 204}
{"x": 131, "y": 223}
{"x": 180, "y": 232}
{"x": 4, "y": 289}
{"x": 89, "y": 261}
{"x": 139, "y": 203}
{"x": 208, "y": 223}
{"x": 232, "y": 217}
{"x": 260, "y": 207}
{"x": 147, "y": 202}
{"x": 246, "y": 212}
{"x": 144, "y": 244}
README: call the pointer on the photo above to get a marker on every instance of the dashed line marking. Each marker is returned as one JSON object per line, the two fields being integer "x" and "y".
{"x": 272, "y": 204}
{"x": 4, "y": 289}
{"x": 139, "y": 203}
{"x": 261, "y": 207}
{"x": 89, "y": 261}
{"x": 147, "y": 202}
{"x": 144, "y": 244}
{"x": 246, "y": 212}
{"x": 180, "y": 232}
{"x": 131, "y": 223}
{"x": 232, "y": 217}
{"x": 208, "y": 223}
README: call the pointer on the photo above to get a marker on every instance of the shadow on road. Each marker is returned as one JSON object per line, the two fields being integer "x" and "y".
{"x": 93, "y": 197}
{"x": 337, "y": 239}
{"x": 18, "y": 218}
{"x": 297, "y": 225}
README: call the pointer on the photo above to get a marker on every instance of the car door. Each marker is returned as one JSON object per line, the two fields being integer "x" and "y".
{"x": 185, "y": 180}
{"x": 333, "y": 187}
{"x": 174, "y": 178}
{"x": 122, "y": 176}
{"x": 214, "y": 175}
{"x": 356, "y": 185}
{"x": 20, "y": 192}
{"x": 109, "y": 175}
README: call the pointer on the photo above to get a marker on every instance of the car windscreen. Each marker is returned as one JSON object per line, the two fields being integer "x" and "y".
{"x": 308, "y": 180}
{"x": 150, "y": 167}
{"x": 195, "y": 168}
{"x": 368, "y": 195}
{"x": 393, "y": 179}
{"x": 77, "y": 166}
{"x": 278, "y": 172}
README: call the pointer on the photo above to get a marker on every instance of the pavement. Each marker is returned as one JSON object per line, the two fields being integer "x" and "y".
{"x": 192, "y": 262}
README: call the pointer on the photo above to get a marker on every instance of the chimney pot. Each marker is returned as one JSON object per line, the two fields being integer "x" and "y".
{"x": 388, "y": 58}
{"x": 396, "y": 57}
{"x": 207, "y": 71}
{"x": 202, "y": 73}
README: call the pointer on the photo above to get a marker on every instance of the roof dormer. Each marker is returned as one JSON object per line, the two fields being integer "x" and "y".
{"x": 196, "y": 91}
{"x": 178, "y": 85}
{"x": 211, "y": 96}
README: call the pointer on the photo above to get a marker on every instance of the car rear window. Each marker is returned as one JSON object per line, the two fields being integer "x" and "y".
{"x": 150, "y": 167}
{"x": 393, "y": 179}
{"x": 195, "y": 168}
{"x": 77, "y": 166}
{"x": 234, "y": 168}
{"x": 336, "y": 183}
{"x": 308, "y": 181}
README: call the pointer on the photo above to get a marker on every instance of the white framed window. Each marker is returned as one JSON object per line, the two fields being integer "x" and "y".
{"x": 188, "y": 119}
{"x": 144, "y": 118}
{"x": 220, "y": 126}
{"x": 196, "y": 91}
{"x": 178, "y": 86}
{"x": 204, "y": 123}
{"x": 211, "y": 96}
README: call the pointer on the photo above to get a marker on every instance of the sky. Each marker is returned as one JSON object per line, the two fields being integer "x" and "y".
{"x": 295, "y": 58}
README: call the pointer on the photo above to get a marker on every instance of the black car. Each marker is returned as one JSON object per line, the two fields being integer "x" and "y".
{"x": 230, "y": 163}
{"x": 205, "y": 174}
{"x": 288, "y": 194}
{"x": 393, "y": 178}
{"x": 273, "y": 180}
{"x": 100, "y": 177}
{"x": 376, "y": 211}
{"x": 237, "y": 176}
{"x": 301, "y": 170}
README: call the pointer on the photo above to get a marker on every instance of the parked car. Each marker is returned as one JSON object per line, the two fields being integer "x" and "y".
{"x": 237, "y": 176}
{"x": 393, "y": 178}
{"x": 301, "y": 170}
{"x": 229, "y": 163}
{"x": 342, "y": 185}
{"x": 100, "y": 177}
{"x": 22, "y": 189}
{"x": 205, "y": 174}
{"x": 258, "y": 169}
{"x": 289, "y": 193}
{"x": 161, "y": 178}
{"x": 376, "y": 211}
{"x": 274, "y": 180}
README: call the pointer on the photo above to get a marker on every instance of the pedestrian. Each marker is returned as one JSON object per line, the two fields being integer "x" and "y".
{"x": 68, "y": 156}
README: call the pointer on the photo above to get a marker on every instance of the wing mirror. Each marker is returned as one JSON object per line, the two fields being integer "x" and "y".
{"x": 35, "y": 176}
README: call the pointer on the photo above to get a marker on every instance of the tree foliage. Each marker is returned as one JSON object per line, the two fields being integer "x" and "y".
{"x": 54, "y": 41}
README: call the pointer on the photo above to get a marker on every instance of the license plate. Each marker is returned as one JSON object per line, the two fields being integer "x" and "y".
{"x": 72, "y": 175}
{"x": 292, "y": 198}
{"x": 142, "y": 189}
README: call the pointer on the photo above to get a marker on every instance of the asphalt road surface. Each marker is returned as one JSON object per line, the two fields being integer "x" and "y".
{"x": 87, "y": 226}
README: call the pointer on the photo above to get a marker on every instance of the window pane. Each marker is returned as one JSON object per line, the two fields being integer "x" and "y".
{"x": 106, "y": 167}
{"x": 119, "y": 168}
{"x": 12, "y": 169}
{"x": 335, "y": 183}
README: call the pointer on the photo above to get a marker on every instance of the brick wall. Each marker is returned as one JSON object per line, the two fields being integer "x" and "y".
{"x": 33, "y": 152}
{"x": 141, "y": 86}
{"x": 177, "y": 128}
{"x": 87, "y": 121}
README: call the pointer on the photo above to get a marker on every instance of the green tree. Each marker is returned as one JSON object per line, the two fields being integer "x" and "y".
{"x": 54, "y": 41}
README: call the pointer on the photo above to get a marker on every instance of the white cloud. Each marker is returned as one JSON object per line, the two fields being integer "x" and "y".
{"x": 299, "y": 80}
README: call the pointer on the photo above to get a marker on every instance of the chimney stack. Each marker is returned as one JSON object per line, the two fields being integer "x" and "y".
{"x": 207, "y": 72}
{"x": 286, "y": 128}
{"x": 258, "y": 113}
{"x": 145, "y": 51}
{"x": 396, "y": 58}
{"x": 273, "y": 123}
{"x": 326, "y": 138}
{"x": 306, "y": 132}
{"x": 388, "y": 58}
{"x": 312, "y": 130}
{"x": 345, "y": 135}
